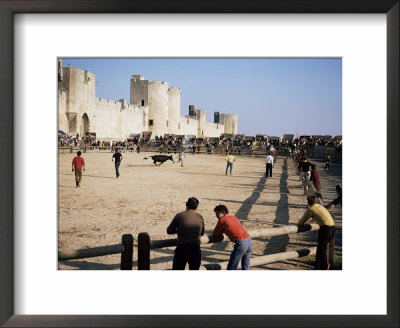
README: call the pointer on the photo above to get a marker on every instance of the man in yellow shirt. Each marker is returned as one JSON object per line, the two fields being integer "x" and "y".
{"x": 229, "y": 163}
{"x": 326, "y": 233}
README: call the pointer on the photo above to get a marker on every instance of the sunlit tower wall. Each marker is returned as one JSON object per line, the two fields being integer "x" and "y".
{"x": 201, "y": 118}
{"x": 139, "y": 96}
{"x": 158, "y": 108}
{"x": 80, "y": 88}
{"x": 230, "y": 122}
{"x": 174, "y": 110}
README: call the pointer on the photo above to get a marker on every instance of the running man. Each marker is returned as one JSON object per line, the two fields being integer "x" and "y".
{"x": 181, "y": 155}
{"x": 118, "y": 159}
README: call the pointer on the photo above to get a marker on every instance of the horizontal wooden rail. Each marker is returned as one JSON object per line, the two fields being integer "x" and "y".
{"x": 154, "y": 244}
{"x": 145, "y": 244}
{"x": 125, "y": 249}
{"x": 266, "y": 259}
{"x": 284, "y": 230}
{"x": 90, "y": 252}
{"x": 263, "y": 233}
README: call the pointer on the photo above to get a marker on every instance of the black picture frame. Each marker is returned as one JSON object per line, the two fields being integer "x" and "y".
{"x": 7, "y": 10}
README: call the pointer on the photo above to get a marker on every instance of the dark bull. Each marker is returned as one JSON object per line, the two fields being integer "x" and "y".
{"x": 160, "y": 159}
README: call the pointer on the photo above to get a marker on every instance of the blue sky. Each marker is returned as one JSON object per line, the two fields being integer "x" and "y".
{"x": 270, "y": 96}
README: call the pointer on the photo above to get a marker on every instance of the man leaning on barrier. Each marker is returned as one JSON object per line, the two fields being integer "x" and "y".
{"x": 326, "y": 232}
{"x": 189, "y": 225}
{"x": 231, "y": 226}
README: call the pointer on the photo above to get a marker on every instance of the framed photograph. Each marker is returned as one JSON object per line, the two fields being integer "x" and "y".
{"x": 35, "y": 293}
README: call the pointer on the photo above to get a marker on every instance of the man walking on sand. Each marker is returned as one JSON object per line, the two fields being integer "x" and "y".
{"x": 269, "y": 160}
{"x": 118, "y": 159}
{"x": 78, "y": 163}
{"x": 231, "y": 226}
{"x": 189, "y": 225}
{"x": 229, "y": 163}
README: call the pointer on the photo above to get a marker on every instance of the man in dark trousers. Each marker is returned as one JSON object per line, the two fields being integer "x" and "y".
{"x": 326, "y": 233}
{"x": 78, "y": 163}
{"x": 189, "y": 225}
{"x": 304, "y": 167}
{"x": 118, "y": 158}
{"x": 269, "y": 164}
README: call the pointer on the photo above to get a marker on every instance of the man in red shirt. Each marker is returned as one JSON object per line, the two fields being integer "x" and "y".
{"x": 78, "y": 163}
{"x": 231, "y": 226}
{"x": 315, "y": 177}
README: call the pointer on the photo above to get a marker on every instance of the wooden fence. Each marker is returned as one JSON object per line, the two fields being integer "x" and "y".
{"x": 145, "y": 245}
{"x": 125, "y": 249}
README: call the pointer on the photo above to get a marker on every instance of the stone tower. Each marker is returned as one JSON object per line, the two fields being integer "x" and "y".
{"x": 230, "y": 122}
{"x": 153, "y": 94}
{"x": 80, "y": 92}
{"x": 174, "y": 109}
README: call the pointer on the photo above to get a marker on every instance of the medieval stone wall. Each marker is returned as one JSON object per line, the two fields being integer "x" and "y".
{"x": 212, "y": 129}
{"x": 154, "y": 106}
{"x": 187, "y": 125}
{"x": 114, "y": 121}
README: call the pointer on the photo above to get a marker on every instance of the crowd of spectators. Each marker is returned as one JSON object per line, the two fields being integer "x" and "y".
{"x": 238, "y": 144}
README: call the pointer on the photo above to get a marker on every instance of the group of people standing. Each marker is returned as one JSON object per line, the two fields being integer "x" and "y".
{"x": 309, "y": 176}
{"x": 189, "y": 226}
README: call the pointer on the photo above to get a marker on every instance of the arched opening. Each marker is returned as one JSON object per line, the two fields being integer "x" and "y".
{"x": 142, "y": 102}
{"x": 86, "y": 125}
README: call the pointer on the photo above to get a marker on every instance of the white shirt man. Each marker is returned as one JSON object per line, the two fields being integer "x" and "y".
{"x": 269, "y": 164}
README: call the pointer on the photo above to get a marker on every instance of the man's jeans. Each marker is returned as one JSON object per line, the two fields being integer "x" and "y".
{"x": 117, "y": 167}
{"x": 228, "y": 165}
{"x": 241, "y": 251}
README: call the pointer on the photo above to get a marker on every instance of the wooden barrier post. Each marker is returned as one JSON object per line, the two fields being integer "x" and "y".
{"x": 127, "y": 255}
{"x": 143, "y": 251}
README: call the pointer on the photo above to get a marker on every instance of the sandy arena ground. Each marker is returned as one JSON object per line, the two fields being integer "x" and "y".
{"x": 145, "y": 198}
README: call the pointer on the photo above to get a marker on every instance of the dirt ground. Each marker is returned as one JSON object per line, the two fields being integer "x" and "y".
{"x": 145, "y": 198}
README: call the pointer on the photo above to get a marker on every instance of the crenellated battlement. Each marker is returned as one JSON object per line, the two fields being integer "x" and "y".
{"x": 174, "y": 91}
{"x": 154, "y": 106}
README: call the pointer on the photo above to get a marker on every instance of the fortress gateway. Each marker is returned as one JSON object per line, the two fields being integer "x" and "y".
{"x": 154, "y": 107}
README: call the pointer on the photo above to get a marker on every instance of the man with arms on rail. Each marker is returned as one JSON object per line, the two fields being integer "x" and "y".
{"x": 326, "y": 232}
{"x": 231, "y": 226}
{"x": 189, "y": 225}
